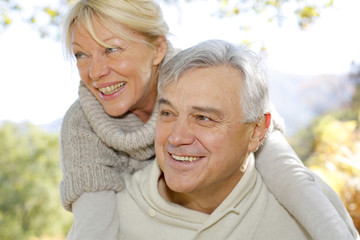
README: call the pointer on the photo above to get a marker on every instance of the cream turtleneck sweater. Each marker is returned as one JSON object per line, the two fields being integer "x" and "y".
{"x": 96, "y": 148}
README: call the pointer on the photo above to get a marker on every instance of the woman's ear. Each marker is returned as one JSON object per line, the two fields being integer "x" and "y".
{"x": 259, "y": 132}
{"x": 160, "y": 50}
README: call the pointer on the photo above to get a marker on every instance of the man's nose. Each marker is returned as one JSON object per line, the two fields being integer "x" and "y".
{"x": 98, "y": 68}
{"x": 181, "y": 133}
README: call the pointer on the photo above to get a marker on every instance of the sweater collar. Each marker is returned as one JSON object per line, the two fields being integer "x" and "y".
{"x": 235, "y": 202}
{"x": 126, "y": 133}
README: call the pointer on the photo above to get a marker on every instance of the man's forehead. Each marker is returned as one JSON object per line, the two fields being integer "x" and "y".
{"x": 205, "y": 108}
{"x": 216, "y": 76}
{"x": 203, "y": 87}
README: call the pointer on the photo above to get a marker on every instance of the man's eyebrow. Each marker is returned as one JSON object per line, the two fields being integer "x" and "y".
{"x": 209, "y": 110}
{"x": 166, "y": 102}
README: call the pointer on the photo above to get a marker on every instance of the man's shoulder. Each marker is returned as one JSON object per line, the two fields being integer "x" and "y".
{"x": 278, "y": 223}
{"x": 139, "y": 179}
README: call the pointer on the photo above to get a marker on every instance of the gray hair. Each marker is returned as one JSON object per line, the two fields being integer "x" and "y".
{"x": 255, "y": 100}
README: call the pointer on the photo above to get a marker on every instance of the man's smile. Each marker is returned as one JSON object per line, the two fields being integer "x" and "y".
{"x": 184, "y": 158}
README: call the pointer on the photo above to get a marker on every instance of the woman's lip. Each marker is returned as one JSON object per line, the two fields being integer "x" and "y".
{"x": 113, "y": 94}
{"x": 98, "y": 85}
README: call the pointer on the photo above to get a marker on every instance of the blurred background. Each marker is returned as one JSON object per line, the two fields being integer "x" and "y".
{"x": 311, "y": 49}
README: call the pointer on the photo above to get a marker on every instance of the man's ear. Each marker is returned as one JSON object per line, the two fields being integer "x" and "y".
{"x": 259, "y": 132}
{"x": 160, "y": 49}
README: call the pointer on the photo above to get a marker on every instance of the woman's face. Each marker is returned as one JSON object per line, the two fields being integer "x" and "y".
{"x": 121, "y": 77}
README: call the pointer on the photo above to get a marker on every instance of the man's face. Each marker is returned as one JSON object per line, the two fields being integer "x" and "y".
{"x": 201, "y": 140}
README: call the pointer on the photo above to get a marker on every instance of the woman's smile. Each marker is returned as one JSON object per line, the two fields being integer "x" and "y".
{"x": 111, "y": 89}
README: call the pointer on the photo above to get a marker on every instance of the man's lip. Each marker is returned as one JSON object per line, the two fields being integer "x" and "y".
{"x": 185, "y": 157}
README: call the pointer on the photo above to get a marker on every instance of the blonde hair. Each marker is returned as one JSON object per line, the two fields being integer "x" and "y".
{"x": 142, "y": 16}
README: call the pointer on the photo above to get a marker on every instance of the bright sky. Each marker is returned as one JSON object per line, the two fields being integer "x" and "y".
{"x": 39, "y": 85}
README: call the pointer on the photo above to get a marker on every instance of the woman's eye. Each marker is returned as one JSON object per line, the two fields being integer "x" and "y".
{"x": 79, "y": 55}
{"x": 112, "y": 49}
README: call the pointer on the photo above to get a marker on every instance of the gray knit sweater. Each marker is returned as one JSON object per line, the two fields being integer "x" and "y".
{"x": 95, "y": 148}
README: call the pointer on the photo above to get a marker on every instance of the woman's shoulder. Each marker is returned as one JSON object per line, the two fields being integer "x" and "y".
{"x": 74, "y": 110}
{"x": 74, "y": 118}
{"x": 75, "y": 113}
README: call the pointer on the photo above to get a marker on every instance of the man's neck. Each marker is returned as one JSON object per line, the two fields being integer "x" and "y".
{"x": 203, "y": 201}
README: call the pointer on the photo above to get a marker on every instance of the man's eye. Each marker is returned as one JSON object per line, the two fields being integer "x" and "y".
{"x": 203, "y": 118}
{"x": 165, "y": 114}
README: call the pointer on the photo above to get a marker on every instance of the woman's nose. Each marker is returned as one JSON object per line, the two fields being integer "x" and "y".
{"x": 98, "y": 68}
{"x": 181, "y": 134}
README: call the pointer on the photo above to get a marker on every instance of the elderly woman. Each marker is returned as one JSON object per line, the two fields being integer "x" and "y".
{"x": 119, "y": 47}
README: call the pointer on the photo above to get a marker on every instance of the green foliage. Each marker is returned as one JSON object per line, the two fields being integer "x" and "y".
{"x": 330, "y": 146}
{"x": 336, "y": 158}
{"x": 29, "y": 176}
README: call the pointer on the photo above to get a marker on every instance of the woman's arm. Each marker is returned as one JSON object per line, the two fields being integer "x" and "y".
{"x": 95, "y": 217}
{"x": 91, "y": 176}
{"x": 88, "y": 164}
{"x": 294, "y": 186}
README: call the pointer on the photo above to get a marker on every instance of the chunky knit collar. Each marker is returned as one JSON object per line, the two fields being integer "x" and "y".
{"x": 126, "y": 133}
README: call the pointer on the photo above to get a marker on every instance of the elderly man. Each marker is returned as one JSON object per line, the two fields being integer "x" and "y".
{"x": 213, "y": 114}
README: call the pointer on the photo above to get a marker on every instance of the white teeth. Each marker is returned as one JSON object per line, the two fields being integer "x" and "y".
{"x": 184, "y": 158}
{"x": 111, "y": 89}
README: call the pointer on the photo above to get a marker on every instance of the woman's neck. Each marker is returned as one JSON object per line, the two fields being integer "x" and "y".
{"x": 145, "y": 110}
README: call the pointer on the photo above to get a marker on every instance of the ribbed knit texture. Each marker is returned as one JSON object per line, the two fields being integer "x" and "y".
{"x": 95, "y": 148}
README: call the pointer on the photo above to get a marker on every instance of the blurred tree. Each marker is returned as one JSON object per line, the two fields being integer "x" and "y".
{"x": 29, "y": 176}
{"x": 355, "y": 78}
{"x": 46, "y": 19}
{"x": 336, "y": 158}
{"x": 330, "y": 147}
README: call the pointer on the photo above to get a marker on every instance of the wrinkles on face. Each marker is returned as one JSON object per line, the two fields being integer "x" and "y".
{"x": 201, "y": 117}
{"x": 121, "y": 75}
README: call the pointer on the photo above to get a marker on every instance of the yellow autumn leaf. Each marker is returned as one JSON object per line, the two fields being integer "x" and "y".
{"x": 236, "y": 11}
{"x": 52, "y": 13}
{"x": 6, "y": 18}
{"x": 308, "y": 12}
{"x": 330, "y": 3}
{"x": 223, "y": 3}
